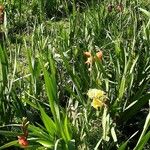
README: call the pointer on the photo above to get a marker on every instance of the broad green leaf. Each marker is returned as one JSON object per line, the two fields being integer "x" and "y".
{"x": 48, "y": 122}
{"x": 38, "y": 132}
{"x": 45, "y": 143}
{"x": 66, "y": 130}
{"x": 50, "y": 85}
{"x": 9, "y": 144}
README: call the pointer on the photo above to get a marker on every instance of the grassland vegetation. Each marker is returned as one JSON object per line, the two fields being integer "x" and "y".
{"x": 75, "y": 74}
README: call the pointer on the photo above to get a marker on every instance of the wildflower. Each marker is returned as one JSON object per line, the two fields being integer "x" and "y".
{"x": 99, "y": 55}
{"x": 95, "y": 93}
{"x": 98, "y": 97}
{"x": 23, "y": 140}
{"x": 90, "y": 58}
{"x": 88, "y": 54}
{"x": 97, "y": 103}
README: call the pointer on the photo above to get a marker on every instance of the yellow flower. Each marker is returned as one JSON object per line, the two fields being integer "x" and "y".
{"x": 97, "y": 103}
{"x": 98, "y": 96}
{"x": 95, "y": 93}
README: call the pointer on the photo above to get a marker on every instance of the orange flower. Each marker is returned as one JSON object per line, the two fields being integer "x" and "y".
{"x": 23, "y": 138}
{"x": 90, "y": 58}
{"x": 23, "y": 141}
{"x": 99, "y": 55}
{"x": 87, "y": 54}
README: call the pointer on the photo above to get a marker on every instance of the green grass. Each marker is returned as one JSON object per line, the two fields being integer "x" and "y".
{"x": 43, "y": 75}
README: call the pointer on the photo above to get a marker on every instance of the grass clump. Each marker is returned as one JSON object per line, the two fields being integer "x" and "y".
{"x": 78, "y": 74}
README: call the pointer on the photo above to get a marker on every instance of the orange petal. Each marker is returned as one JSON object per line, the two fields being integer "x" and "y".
{"x": 99, "y": 55}
{"x": 87, "y": 54}
{"x": 23, "y": 141}
{"x": 1, "y": 7}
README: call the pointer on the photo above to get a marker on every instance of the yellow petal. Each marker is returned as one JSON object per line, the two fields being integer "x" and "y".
{"x": 97, "y": 103}
{"x": 95, "y": 93}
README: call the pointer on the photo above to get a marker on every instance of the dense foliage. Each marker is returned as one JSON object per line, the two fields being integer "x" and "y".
{"x": 75, "y": 74}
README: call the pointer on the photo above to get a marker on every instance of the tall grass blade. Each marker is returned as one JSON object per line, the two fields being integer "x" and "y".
{"x": 144, "y": 138}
